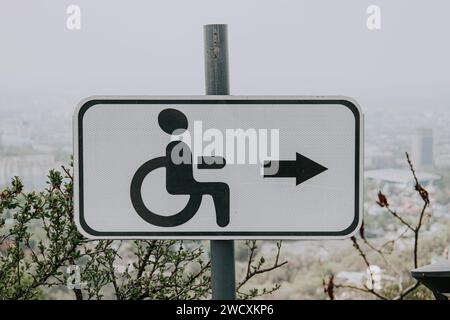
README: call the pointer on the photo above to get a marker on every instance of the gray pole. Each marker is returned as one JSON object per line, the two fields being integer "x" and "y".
{"x": 216, "y": 59}
{"x": 217, "y": 83}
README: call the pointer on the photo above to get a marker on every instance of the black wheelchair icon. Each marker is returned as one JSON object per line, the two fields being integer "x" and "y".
{"x": 180, "y": 179}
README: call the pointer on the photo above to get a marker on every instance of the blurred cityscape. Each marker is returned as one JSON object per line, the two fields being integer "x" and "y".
{"x": 33, "y": 139}
{"x": 36, "y": 138}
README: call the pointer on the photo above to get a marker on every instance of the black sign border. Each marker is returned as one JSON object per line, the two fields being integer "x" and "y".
{"x": 219, "y": 101}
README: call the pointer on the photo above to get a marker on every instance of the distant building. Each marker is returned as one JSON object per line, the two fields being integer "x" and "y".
{"x": 31, "y": 168}
{"x": 400, "y": 176}
{"x": 392, "y": 179}
{"x": 15, "y": 134}
{"x": 422, "y": 148}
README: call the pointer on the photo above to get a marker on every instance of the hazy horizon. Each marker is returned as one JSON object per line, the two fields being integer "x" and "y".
{"x": 276, "y": 47}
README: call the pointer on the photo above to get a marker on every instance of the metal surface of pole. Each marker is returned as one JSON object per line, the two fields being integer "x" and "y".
{"x": 217, "y": 83}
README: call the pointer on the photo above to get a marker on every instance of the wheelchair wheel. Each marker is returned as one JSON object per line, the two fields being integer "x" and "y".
{"x": 161, "y": 221}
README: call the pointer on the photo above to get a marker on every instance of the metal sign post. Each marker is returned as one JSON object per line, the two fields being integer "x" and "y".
{"x": 217, "y": 83}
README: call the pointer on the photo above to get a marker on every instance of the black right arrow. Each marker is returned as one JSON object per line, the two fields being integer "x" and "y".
{"x": 302, "y": 168}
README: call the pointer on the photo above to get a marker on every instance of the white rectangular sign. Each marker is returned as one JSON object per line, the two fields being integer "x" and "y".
{"x": 218, "y": 167}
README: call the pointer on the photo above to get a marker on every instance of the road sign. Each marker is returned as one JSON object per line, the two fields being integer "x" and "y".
{"x": 218, "y": 167}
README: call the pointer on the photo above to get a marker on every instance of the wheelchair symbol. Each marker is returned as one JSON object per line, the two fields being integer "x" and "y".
{"x": 180, "y": 179}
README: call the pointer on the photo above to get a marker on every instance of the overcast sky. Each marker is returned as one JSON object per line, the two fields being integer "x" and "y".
{"x": 276, "y": 47}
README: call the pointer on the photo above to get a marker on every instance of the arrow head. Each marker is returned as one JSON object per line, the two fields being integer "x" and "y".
{"x": 306, "y": 168}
